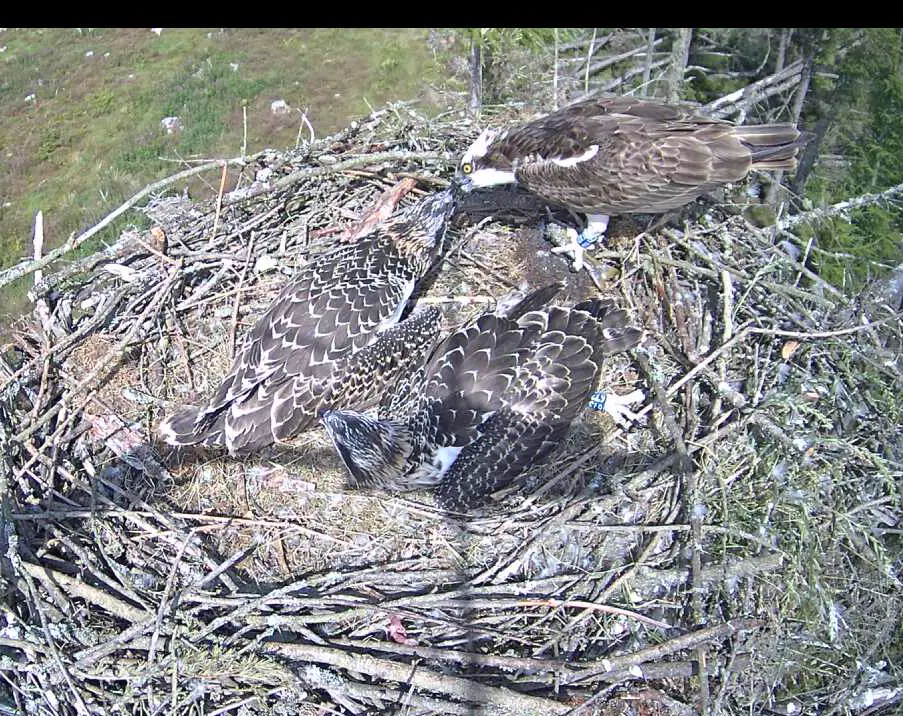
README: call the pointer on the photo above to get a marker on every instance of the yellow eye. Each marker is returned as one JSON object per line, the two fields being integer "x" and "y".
{"x": 467, "y": 167}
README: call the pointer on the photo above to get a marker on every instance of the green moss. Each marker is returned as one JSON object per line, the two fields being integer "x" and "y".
{"x": 50, "y": 142}
{"x": 101, "y": 102}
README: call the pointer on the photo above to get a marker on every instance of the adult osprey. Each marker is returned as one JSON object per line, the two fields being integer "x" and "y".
{"x": 495, "y": 398}
{"x": 329, "y": 339}
{"x": 618, "y": 155}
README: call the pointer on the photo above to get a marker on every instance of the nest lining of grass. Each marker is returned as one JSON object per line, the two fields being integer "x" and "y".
{"x": 735, "y": 550}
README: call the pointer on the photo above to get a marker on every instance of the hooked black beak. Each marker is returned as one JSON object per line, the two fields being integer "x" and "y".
{"x": 461, "y": 183}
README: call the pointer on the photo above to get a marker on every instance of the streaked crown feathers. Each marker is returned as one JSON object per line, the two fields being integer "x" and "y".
{"x": 476, "y": 173}
{"x": 480, "y": 146}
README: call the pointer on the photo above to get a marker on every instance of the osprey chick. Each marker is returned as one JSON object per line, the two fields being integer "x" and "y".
{"x": 329, "y": 339}
{"x": 495, "y": 398}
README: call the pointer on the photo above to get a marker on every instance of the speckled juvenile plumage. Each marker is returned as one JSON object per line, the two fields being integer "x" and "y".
{"x": 616, "y": 155}
{"x": 495, "y": 398}
{"x": 329, "y": 340}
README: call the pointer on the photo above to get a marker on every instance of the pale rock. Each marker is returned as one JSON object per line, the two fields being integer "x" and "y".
{"x": 265, "y": 263}
{"x": 279, "y": 106}
{"x": 171, "y": 125}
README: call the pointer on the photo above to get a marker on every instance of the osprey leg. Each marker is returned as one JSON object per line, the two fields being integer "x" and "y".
{"x": 596, "y": 224}
{"x": 617, "y": 406}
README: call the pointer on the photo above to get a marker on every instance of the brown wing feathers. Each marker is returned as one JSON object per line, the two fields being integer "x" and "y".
{"x": 651, "y": 157}
{"x": 294, "y": 356}
{"x": 565, "y": 351}
{"x": 495, "y": 398}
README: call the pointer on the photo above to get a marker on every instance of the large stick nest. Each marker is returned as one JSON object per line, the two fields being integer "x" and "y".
{"x": 736, "y": 549}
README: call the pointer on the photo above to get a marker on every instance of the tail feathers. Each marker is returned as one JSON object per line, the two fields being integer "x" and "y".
{"x": 619, "y": 340}
{"x": 617, "y": 336}
{"x": 183, "y": 429}
{"x": 766, "y": 135}
{"x": 774, "y": 146}
{"x": 598, "y": 308}
{"x": 533, "y": 301}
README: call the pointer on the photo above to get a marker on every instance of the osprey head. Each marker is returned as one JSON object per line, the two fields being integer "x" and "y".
{"x": 430, "y": 213}
{"x": 374, "y": 451}
{"x": 419, "y": 230}
{"x": 480, "y": 167}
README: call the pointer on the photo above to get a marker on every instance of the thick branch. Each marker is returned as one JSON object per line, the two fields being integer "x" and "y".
{"x": 329, "y": 165}
{"x": 647, "y": 69}
{"x": 421, "y": 678}
{"x": 680, "y": 53}
{"x": 26, "y": 267}
{"x": 841, "y": 208}
{"x": 78, "y": 588}
{"x": 609, "y": 61}
{"x": 732, "y": 103}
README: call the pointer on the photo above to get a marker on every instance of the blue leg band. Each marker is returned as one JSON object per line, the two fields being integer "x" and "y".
{"x": 597, "y": 400}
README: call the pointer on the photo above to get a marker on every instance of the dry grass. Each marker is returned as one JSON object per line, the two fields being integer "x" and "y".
{"x": 736, "y": 551}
